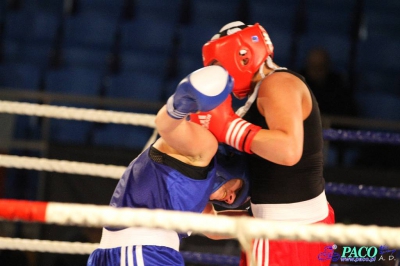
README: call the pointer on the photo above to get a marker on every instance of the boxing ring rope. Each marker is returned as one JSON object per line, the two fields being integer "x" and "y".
{"x": 34, "y": 245}
{"x": 46, "y": 246}
{"x": 364, "y": 136}
{"x": 61, "y": 247}
{"x": 115, "y": 172}
{"x": 74, "y": 113}
{"x": 62, "y": 112}
{"x": 242, "y": 228}
{"x": 61, "y": 166}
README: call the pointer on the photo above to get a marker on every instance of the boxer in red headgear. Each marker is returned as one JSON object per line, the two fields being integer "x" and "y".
{"x": 279, "y": 129}
{"x": 242, "y": 53}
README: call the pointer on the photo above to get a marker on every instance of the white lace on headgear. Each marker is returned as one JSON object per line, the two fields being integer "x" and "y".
{"x": 232, "y": 25}
{"x": 269, "y": 63}
{"x": 229, "y": 29}
{"x": 261, "y": 71}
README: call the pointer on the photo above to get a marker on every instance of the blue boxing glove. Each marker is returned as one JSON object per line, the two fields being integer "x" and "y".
{"x": 202, "y": 90}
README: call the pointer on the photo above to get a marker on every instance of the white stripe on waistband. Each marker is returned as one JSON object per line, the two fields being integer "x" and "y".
{"x": 139, "y": 256}
{"x": 130, "y": 256}
{"x": 303, "y": 212}
{"x": 135, "y": 236}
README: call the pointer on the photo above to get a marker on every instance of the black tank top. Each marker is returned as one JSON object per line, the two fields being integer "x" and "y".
{"x": 272, "y": 183}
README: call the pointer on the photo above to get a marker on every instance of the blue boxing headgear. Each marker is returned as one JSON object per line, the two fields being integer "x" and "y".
{"x": 231, "y": 164}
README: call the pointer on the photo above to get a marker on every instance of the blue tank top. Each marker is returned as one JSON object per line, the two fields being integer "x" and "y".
{"x": 148, "y": 184}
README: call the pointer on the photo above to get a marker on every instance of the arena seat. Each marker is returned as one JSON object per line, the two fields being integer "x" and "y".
{"x": 218, "y": 12}
{"x": 135, "y": 85}
{"x": 91, "y": 30}
{"x": 20, "y": 76}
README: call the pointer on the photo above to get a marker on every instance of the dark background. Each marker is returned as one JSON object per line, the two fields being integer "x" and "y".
{"x": 128, "y": 55}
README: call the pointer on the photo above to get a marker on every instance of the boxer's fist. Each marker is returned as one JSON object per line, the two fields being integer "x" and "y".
{"x": 202, "y": 90}
{"x": 227, "y": 127}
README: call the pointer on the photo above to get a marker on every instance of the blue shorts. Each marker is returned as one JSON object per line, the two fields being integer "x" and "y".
{"x": 136, "y": 256}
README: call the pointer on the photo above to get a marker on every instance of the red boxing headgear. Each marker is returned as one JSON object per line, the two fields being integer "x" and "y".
{"x": 241, "y": 50}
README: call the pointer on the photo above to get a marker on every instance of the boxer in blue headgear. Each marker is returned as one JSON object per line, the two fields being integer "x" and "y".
{"x": 231, "y": 164}
{"x": 177, "y": 172}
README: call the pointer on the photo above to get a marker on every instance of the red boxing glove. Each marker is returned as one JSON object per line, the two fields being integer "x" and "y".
{"x": 227, "y": 126}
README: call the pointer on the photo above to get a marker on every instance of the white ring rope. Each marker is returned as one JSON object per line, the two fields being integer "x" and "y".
{"x": 62, "y": 112}
{"x": 61, "y": 166}
{"x": 47, "y": 246}
{"x": 246, "y": 227}
{"x": 338, "y": 233}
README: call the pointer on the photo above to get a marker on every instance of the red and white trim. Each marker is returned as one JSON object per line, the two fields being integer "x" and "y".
{"x": 240, "y": 134}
